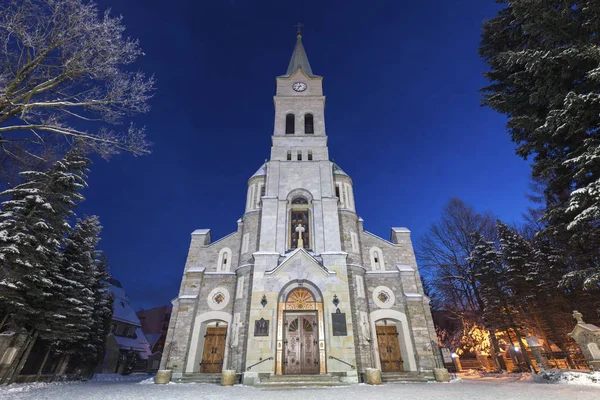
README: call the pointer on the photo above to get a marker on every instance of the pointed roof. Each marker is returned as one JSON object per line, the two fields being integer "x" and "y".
{"x": 299, "y": 59}
{"x": 337, "y": 170}
{"x": 261, "y": 171}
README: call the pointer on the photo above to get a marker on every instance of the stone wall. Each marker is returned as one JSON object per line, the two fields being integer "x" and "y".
{"x": 348, "y": 228}
{"x": 363, "y": 341}
{"x": 399, "y": 281}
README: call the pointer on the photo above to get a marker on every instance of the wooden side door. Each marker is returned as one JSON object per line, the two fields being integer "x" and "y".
{"x": 389, "y": 349}
{"x": 214, "y": 350}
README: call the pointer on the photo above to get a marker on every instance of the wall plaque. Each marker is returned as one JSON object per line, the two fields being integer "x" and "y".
{"x": 261, "y": 327}
{"x": 338, "y": 320}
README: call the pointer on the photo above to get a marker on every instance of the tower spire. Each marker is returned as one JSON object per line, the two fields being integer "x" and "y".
{"x": 299, "y": 57}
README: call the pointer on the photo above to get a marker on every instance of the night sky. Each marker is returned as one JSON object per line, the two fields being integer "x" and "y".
{"x": 402, "y": 116}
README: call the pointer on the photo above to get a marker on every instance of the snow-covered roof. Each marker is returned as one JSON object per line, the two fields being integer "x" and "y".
{"x": 262, "y": 171}
{"x": 123, "y": 311}
{"x": 140, "y": 343}
{"x": 338, "y": 171}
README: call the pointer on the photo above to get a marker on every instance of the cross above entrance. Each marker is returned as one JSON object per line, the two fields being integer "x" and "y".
{"x": 300, "y": 230}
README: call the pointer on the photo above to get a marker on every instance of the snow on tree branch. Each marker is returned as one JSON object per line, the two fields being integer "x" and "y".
{"x": 64, "y": 73}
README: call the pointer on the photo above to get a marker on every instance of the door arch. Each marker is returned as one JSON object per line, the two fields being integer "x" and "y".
{"x": 197, "y": 341}
{"x": 296, "y": 298}
{"x": 404, "y": 338}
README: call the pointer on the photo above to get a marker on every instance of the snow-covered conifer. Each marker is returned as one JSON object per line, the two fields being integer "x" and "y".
{"x": 102, "y": 312}
{"x": 544, "y": 59}
{"x": 77, "y": 276}
{"x": 34, "y": 222}
{"x": 520, "y": 263}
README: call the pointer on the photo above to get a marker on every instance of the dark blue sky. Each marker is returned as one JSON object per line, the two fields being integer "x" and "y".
{"x": 402, "y": 116}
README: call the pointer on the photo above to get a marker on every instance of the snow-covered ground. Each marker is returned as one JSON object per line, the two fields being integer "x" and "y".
{"x": 505, "y": 388}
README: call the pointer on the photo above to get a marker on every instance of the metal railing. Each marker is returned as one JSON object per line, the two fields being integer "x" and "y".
{"x": 342, "y": 361}
{"x": 260, "y": 362}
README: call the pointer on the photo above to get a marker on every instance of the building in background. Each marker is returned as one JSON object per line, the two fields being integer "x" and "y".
{"x": 126, "y": 334}
{"x": 155, "y": 324}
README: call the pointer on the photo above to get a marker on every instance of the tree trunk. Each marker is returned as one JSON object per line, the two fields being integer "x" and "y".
{"x": 3, "y": 321}
{"x": 4, "y": 379}
{"x": 495, "y": 347}
{"x": 62, "y": 366}
{"x": 519, "y": 339}
{"x": 24, "y": 357}
{"x": 496, "y": 352}
{"x": 37, "y": 377}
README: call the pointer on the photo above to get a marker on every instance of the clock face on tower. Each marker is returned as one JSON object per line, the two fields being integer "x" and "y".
{"x": 299, "y": 86}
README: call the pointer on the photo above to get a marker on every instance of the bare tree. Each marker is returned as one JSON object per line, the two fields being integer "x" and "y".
{"x": 443, "y": 253}
{"x": 64, "y": 78}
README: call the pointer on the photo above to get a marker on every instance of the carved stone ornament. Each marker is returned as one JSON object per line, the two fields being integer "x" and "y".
{"x": 383, "y": 297}
{"x": 218, "y": 298}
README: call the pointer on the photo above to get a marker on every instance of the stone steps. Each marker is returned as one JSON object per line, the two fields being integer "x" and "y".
{"x": 404, "y": 377}
{"x": 199, "y": 378}
{"x": 295, "y": 381}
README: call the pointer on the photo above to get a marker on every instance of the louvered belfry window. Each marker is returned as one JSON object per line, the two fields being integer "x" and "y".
{"x": 309, "y": 126}
{"x": 290, "y": 124}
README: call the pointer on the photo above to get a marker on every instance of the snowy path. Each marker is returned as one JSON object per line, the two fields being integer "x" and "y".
{"x": 494, "y": 389}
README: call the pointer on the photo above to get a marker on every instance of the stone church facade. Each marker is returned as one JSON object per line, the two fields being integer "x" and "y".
{"x": 300, "y": 287}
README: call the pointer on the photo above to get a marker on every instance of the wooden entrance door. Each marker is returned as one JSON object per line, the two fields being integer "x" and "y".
{"x": 301, "y": 352}
{"x": 389, "y": 349}
{"x": 214, "y": 350}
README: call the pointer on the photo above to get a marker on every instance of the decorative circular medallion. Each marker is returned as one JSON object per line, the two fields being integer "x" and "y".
{"x": 218, "y": 298}
{"x": 299, "y": 86}
{"x": 383, "y": 297}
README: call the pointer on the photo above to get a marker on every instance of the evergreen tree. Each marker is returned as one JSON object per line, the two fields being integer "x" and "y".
{"x": 33, "y": 225}
{"x": 520, "y": 263}
{"x": 544, "y": 58}
{"x": 78, "y": 279}
{"x": 491, "y": 274}
{"x": 102, "y": 313}
{"x": 131, "y": 359}
{"x": 488, "y": 273}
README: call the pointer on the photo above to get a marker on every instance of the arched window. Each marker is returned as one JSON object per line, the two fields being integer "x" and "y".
{"x": 299, "y": 223}
{"x": 299, "y": 200}
{"x": 299, "y": 228}
{"x": 250, "y": 197}
{"x": 299, "y": 156}
{"x": 310, "y": 155}
{"x": 289, "y": 155}
{"x": 309, "y": 126}
{"x": 377, "y": 263}
{"x": 290, "y": 124}
{"x": 224, "y": 260}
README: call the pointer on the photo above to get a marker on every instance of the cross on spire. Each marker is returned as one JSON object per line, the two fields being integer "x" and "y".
{"x": 298, "y": 26}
